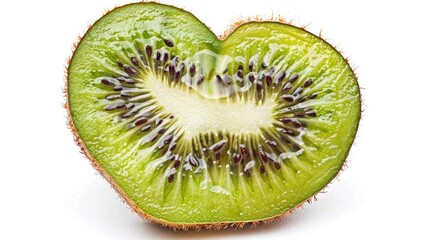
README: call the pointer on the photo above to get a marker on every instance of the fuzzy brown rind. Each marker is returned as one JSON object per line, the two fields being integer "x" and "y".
{"x": 187, "y": 226}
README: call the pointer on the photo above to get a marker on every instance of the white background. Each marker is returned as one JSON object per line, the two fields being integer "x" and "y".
{"x": 50, "y": 191}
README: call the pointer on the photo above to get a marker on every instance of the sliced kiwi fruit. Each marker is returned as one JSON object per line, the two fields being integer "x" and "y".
{"x": 195, "y": 131}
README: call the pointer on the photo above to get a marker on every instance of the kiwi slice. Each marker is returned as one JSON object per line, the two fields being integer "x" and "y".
{"x": 196, "y": 131}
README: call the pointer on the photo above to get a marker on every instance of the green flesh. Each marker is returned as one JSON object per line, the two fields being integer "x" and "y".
{"x": 212, "y": 191}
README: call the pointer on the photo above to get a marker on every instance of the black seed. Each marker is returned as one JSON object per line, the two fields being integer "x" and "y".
{"x": 247, "y": 172}
{"x": 262, "y": 169}
{"x": 168, "y": 42}
{"x": 288, "y": 98}
{"x": 122, "y": 79}
{"x": 287, "y": 87}
{"x": 158, "y": 121}
{"x": 227, "y": 79}
{"x": 285, "y": 120}
{"x": 281, "y": 76}
{"x": 177, "y": 76}
{"x": 173, "y": 158}
{"x": 110, "y": 107}
{"x": 251, "y": 77}
{"x": 173, "y": 146}
{"x": 296, "y": 123}
{"x": 200, "y": 79}
{"x": 140, "y": 121}
{"x": 240, "y": 73}
{"x": 263, "y": 65}
{"x": 297, "y": 91}
{"x": 251, "y": 66}
{"x": 236, "y": 157}
{"x": 165, "y": 57}
{"x": 125, "y": 95}
{"x": 192, "y": 70}
{"x": 161, "y": 131}
{"x": 308, "y": 83}
{"x": 176, "y": 164}
{"x": 299, "y": 114}
{"x": 168, "y": 139}
{"x": 244, "y": 151}
{"x": 240, "y": 68}
{"x": 157, "y": 55}
{"x": 129, "y": 70}
{"x": 263, "y": 156}
{"x": 120, "y": 64}
{"x": 149, "y": 50}
{"x": 171, "y": 178}
{"x": 219, "y": 78}
{"x": 217, "y": 156}
{"x": 218, "y": 146}
{"x": 296, "y": 146}
{"x": 285, "y": 139}
{"x": 293, "y": 78}
{"x": 107, "y": 82}
{"x": 277, "y": 165}
{"x": 146, "y": 128}
{"x": 311, "y": 113}
{"x": 135, "y": 61}
{"x": 171, "y": 70}
{"x": 269, "y": 80}
{"x": 259, "y": 85}
{"x": 313, "y": 96}
{"x": 117, "y": 88}
{"x": 303, "y": 99}
{"x": 172, "y": 116}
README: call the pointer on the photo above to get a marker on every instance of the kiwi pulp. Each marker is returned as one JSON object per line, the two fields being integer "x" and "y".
{"x": 194, "y": 131}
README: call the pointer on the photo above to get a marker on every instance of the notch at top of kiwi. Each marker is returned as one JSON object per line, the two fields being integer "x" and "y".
{"x": 193, "y": 131}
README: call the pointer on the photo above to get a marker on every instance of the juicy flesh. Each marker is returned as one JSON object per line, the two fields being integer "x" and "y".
{"x": 211, "y": 190}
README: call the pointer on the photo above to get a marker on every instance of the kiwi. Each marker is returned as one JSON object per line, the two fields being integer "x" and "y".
{"x": 195, "y": 131}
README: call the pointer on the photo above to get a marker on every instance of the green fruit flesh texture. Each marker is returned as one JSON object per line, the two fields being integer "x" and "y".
{"x": 213, "y": 190}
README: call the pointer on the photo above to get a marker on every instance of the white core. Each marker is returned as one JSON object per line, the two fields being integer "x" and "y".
{"x": 196, "y": 114}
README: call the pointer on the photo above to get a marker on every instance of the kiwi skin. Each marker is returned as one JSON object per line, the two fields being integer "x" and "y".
{"x": 198, "y": 226}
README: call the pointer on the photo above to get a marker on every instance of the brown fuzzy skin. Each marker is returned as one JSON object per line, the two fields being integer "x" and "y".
{"x": 185, "y": 226}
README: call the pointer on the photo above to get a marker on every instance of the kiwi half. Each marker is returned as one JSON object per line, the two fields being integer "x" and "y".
{"x": 194, "y": 131}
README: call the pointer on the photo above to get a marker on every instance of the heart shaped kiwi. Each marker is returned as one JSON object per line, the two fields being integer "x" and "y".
{"x": 194, "y": 131}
